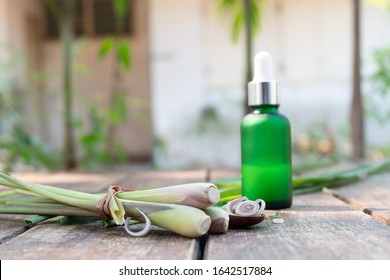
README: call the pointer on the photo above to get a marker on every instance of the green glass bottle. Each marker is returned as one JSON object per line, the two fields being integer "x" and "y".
{"x": 266, "y": 141}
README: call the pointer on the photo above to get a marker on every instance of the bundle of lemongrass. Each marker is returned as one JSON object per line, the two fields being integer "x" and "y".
{"x": 186, "y": 209}
{"x": 181, "y": 208}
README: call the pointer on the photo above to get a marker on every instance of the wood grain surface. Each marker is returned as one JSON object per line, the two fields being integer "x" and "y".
{"x": 92, "y": 241}
{"x": 350, "y": 223}
{"x": 318, "y": 226}
{"x": 371, "y": 196}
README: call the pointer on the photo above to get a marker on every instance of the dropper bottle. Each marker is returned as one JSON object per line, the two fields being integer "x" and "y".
{"x": 266, "y": 141}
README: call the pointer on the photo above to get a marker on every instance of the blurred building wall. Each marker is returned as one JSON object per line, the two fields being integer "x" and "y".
{"x": 186, "y": 90}
{"x": 198, "y": 73}
{"x": 39, "y": 78}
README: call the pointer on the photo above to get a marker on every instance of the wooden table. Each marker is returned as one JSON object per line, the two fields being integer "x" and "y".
{"x": 351, "y": 223}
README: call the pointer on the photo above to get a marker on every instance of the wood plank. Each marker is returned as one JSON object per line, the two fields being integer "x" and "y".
{"x": 218, "y": 174}
{"x": 94, "y": 242}
{"x": 371, "y": 196}
{"x": 47, "y": 240}
{"x": 11, "y": 226}
{"x": 317, "y": 226}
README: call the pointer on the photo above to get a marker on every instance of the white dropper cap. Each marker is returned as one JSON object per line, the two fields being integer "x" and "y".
{"x": 263, "y": 89}
{"x": 262, "y": 67}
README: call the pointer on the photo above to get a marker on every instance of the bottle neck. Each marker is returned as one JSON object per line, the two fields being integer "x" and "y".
{"x": 265, "y": 109}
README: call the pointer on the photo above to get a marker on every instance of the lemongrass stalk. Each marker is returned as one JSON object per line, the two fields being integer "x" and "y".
{"x": 232, "y": 191}
{"x": 32, "y": 200}
{"x": 199, "y": 195}
{"x": 7, "y": 193}
{"x": 10, "y": 181}
{"x": 308, "y": 166}
{"x": 219, "y": 219}
{"x": 226, "y": 199}
{"x": 72, "y": 220}
{"x": 230, "y": 188}
{"x": 108, "y": 223}
{"x": 57, "y": 194}
{"x": 184, "y": 220}
{"x": 60, "y": 210}
{"x": 315, "y": 183}
{"x": 33, "y": 203}
{"x": 13, "y": 191}
{"x": 36, "y": 219}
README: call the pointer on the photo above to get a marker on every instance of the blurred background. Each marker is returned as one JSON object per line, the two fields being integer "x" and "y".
{"x": 96, "y": 84}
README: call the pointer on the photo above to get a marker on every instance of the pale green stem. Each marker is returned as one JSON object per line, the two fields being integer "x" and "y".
{"x": 7, "y": 193}
{"x": 14, "y": 191}
{"x": 15, "y": 183}
{"x": 58, "y": 195}
{"x": 60, "y": 210}
{"x": 36, "y": 219}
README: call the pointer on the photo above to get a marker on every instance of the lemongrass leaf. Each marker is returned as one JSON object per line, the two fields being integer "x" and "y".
{"x": 73, "y": 220}
{"x": 7, "y": 193}
{"x": 116, "y": 210}
{"x": 108, "y": 223}
{"x": 36, "y": 219}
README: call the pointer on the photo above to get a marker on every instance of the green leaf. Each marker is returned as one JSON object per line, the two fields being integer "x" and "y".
{"x": 81, "y": 68}
{"x": 120, "y": 104}
{"x": 124, "y": 55}
{"x": 106, "y": 47}
{"x": 255, "y": 14}
{"x": 53, "y": 7}
{"x": 112, "y": 116}
{"x": 70, "y": 220}
{"x": 36, "y": 219}
{"x": 120, "y": 152}
{"x": 92, "y": 138}
{"x": 234, "y": 10}
{"x": 121, "y": 7}
{"x": 118, "y": 112}
{"x": 238, "y": 23}
{"x": 227, "y": 6}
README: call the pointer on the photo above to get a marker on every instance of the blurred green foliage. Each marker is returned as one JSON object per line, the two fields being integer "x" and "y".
{"x": 18, "y": 147}
{"x": 380, "y": 87}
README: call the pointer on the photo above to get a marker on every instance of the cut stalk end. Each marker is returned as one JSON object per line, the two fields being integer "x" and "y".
{"x": 219, "y": 219}
{"x": 204, "y": 226}
{"x": 213, "y": 194}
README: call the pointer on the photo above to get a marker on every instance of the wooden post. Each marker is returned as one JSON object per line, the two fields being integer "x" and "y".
{"x": 356, "y": 110}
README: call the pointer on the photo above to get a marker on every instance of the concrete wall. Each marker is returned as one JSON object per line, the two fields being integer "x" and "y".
{"x": 18, "y": 50}
{"x": 93, "y": 78}
{"x": 38, "y": 79}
